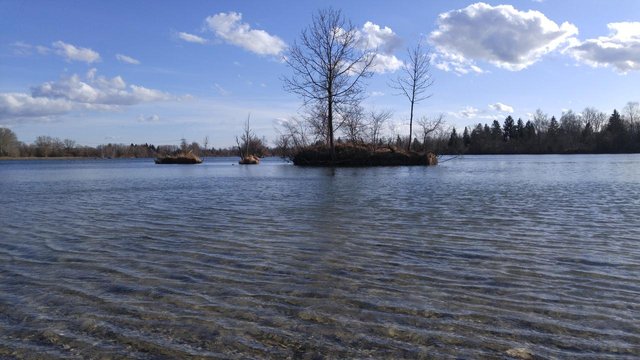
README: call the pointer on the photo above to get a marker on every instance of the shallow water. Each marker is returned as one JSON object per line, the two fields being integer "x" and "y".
{"x": 479, "y": 255}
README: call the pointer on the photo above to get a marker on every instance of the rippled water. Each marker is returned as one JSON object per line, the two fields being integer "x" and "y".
{"x": 470, "y": 259}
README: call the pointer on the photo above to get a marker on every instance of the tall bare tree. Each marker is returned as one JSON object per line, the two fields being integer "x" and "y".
{"x": 246, "y": 139}
{"x": 430, "y": 127}
{"x": 631, "y": 112}
{"x": 328, "y": 66}
{"x": 377, "y": 119}
{"x": 414, "y": 80}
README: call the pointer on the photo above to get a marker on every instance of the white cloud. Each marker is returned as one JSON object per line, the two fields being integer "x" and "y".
{"x": 384, "y": 41}
{"x": 127, "y": 59}
{"x": 620, "y": 50}
{"x": 383, "y": 63}
{"x": 501, "y": 107}
{"x": 73, "y": 53}
{"x": 19, "y": 105}
{"x": 23, "y": 49}
{"x": 501, "y": 35}
{"x": 469, "y": 112}
{"x": 191, "y": 38}
{"x": 74, "y": 93}
{"x": 228, "y": 27}
{"x": 454, "y": 63}
{"x": 151, "y": 118}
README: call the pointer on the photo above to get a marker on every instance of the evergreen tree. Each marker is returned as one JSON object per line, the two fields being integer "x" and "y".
{"x": 520, "y": 129}
{"x": 554, "y": 127}
{"x": 466, "y": 139}
{"x": 496, "y": 130}
{"x": 529, "y": 130}
{"x": 508, "y": 130}
{"x": 615, "y": 125}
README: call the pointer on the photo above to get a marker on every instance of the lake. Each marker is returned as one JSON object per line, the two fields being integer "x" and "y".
{"x": 472, "y": 258}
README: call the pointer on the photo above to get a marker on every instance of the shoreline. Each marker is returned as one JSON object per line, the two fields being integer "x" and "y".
{"x": 31, "y": 158}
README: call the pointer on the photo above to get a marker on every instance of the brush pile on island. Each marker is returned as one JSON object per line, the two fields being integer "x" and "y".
{"x": 180, "y": 158}
{"x": 351, "y": 155}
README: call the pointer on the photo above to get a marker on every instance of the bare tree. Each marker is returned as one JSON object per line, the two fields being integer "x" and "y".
{"x": 328, "y": 66}
{"x": 594, "y": 118}
{"x": 414, "y": 80}
{"x": 377, "y": 120}
{"x": 316, "y": 117}
{"x": 631, "y": 112}
{"x": 353, "y": 122}
{"x": 245, "y": 140}
{"x": 205, "y": 143}
{"x": 430, "y": 127}
{"x": 540, "y": 121}
{"x": 293, "y": 135}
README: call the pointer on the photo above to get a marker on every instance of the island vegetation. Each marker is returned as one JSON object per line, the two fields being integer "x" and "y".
{"x": 184, "y": 156}
{"x": 248, "y": 145}
{"x": 329, "y": 64}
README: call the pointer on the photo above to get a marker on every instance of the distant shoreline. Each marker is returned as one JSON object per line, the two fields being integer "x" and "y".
{"x": 14, "y": 158}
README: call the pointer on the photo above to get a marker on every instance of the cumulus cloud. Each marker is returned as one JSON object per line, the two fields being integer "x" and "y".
{"x": 19, "y": 105}
{"x": 127, "y": 59}
{"x": 620, "y": 49}
{"x": 501, "y": 107}
{"x": 230, "y": 28}
{"x": 384, "y": 41}
{"x": 386, "y": 63}
{"x": 75, "y": 93}
{"x": 191, "y": 38}
{"x": 454, "y": 63}
{"x": 97, "y": 91}
{"x": 501, "y": 35}
{"x": 74, "y": 53}
{"x": 373, "y": 36}
{"x": 469, "y": 112}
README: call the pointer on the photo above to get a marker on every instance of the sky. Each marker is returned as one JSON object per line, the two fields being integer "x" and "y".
{"x": 126, "y": 71}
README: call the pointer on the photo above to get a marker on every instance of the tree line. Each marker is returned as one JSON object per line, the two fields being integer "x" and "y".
{"x": 47, "y": 146}
{"x": 590, "y": 131}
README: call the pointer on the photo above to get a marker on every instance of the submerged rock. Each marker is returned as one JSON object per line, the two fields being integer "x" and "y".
{"x": 520, "y": 353}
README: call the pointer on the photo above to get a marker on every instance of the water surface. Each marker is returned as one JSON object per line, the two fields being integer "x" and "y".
{"x": 479, "y": 255}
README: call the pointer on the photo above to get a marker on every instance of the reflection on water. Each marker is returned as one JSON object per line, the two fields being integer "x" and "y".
{"x": 469, "y": 259}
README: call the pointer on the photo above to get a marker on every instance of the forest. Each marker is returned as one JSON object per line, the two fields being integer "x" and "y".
{"x": 588, "y": 132}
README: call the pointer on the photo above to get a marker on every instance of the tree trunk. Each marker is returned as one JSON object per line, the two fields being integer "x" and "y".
{"x": 330, "y": 129}
{"x": 410, "y": 127}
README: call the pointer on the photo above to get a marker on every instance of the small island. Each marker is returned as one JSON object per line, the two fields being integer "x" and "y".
{"x": 185, "y": 155}
{"x": 250, "y": 147}
{"x": 180, "y": 158}
{"x": 349, "y": 155}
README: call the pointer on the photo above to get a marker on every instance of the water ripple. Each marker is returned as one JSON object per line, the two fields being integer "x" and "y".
{"x": 125, "y": 259}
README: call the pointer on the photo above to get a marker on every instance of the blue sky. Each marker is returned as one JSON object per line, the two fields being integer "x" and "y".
{"x": 150, "y": 71}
